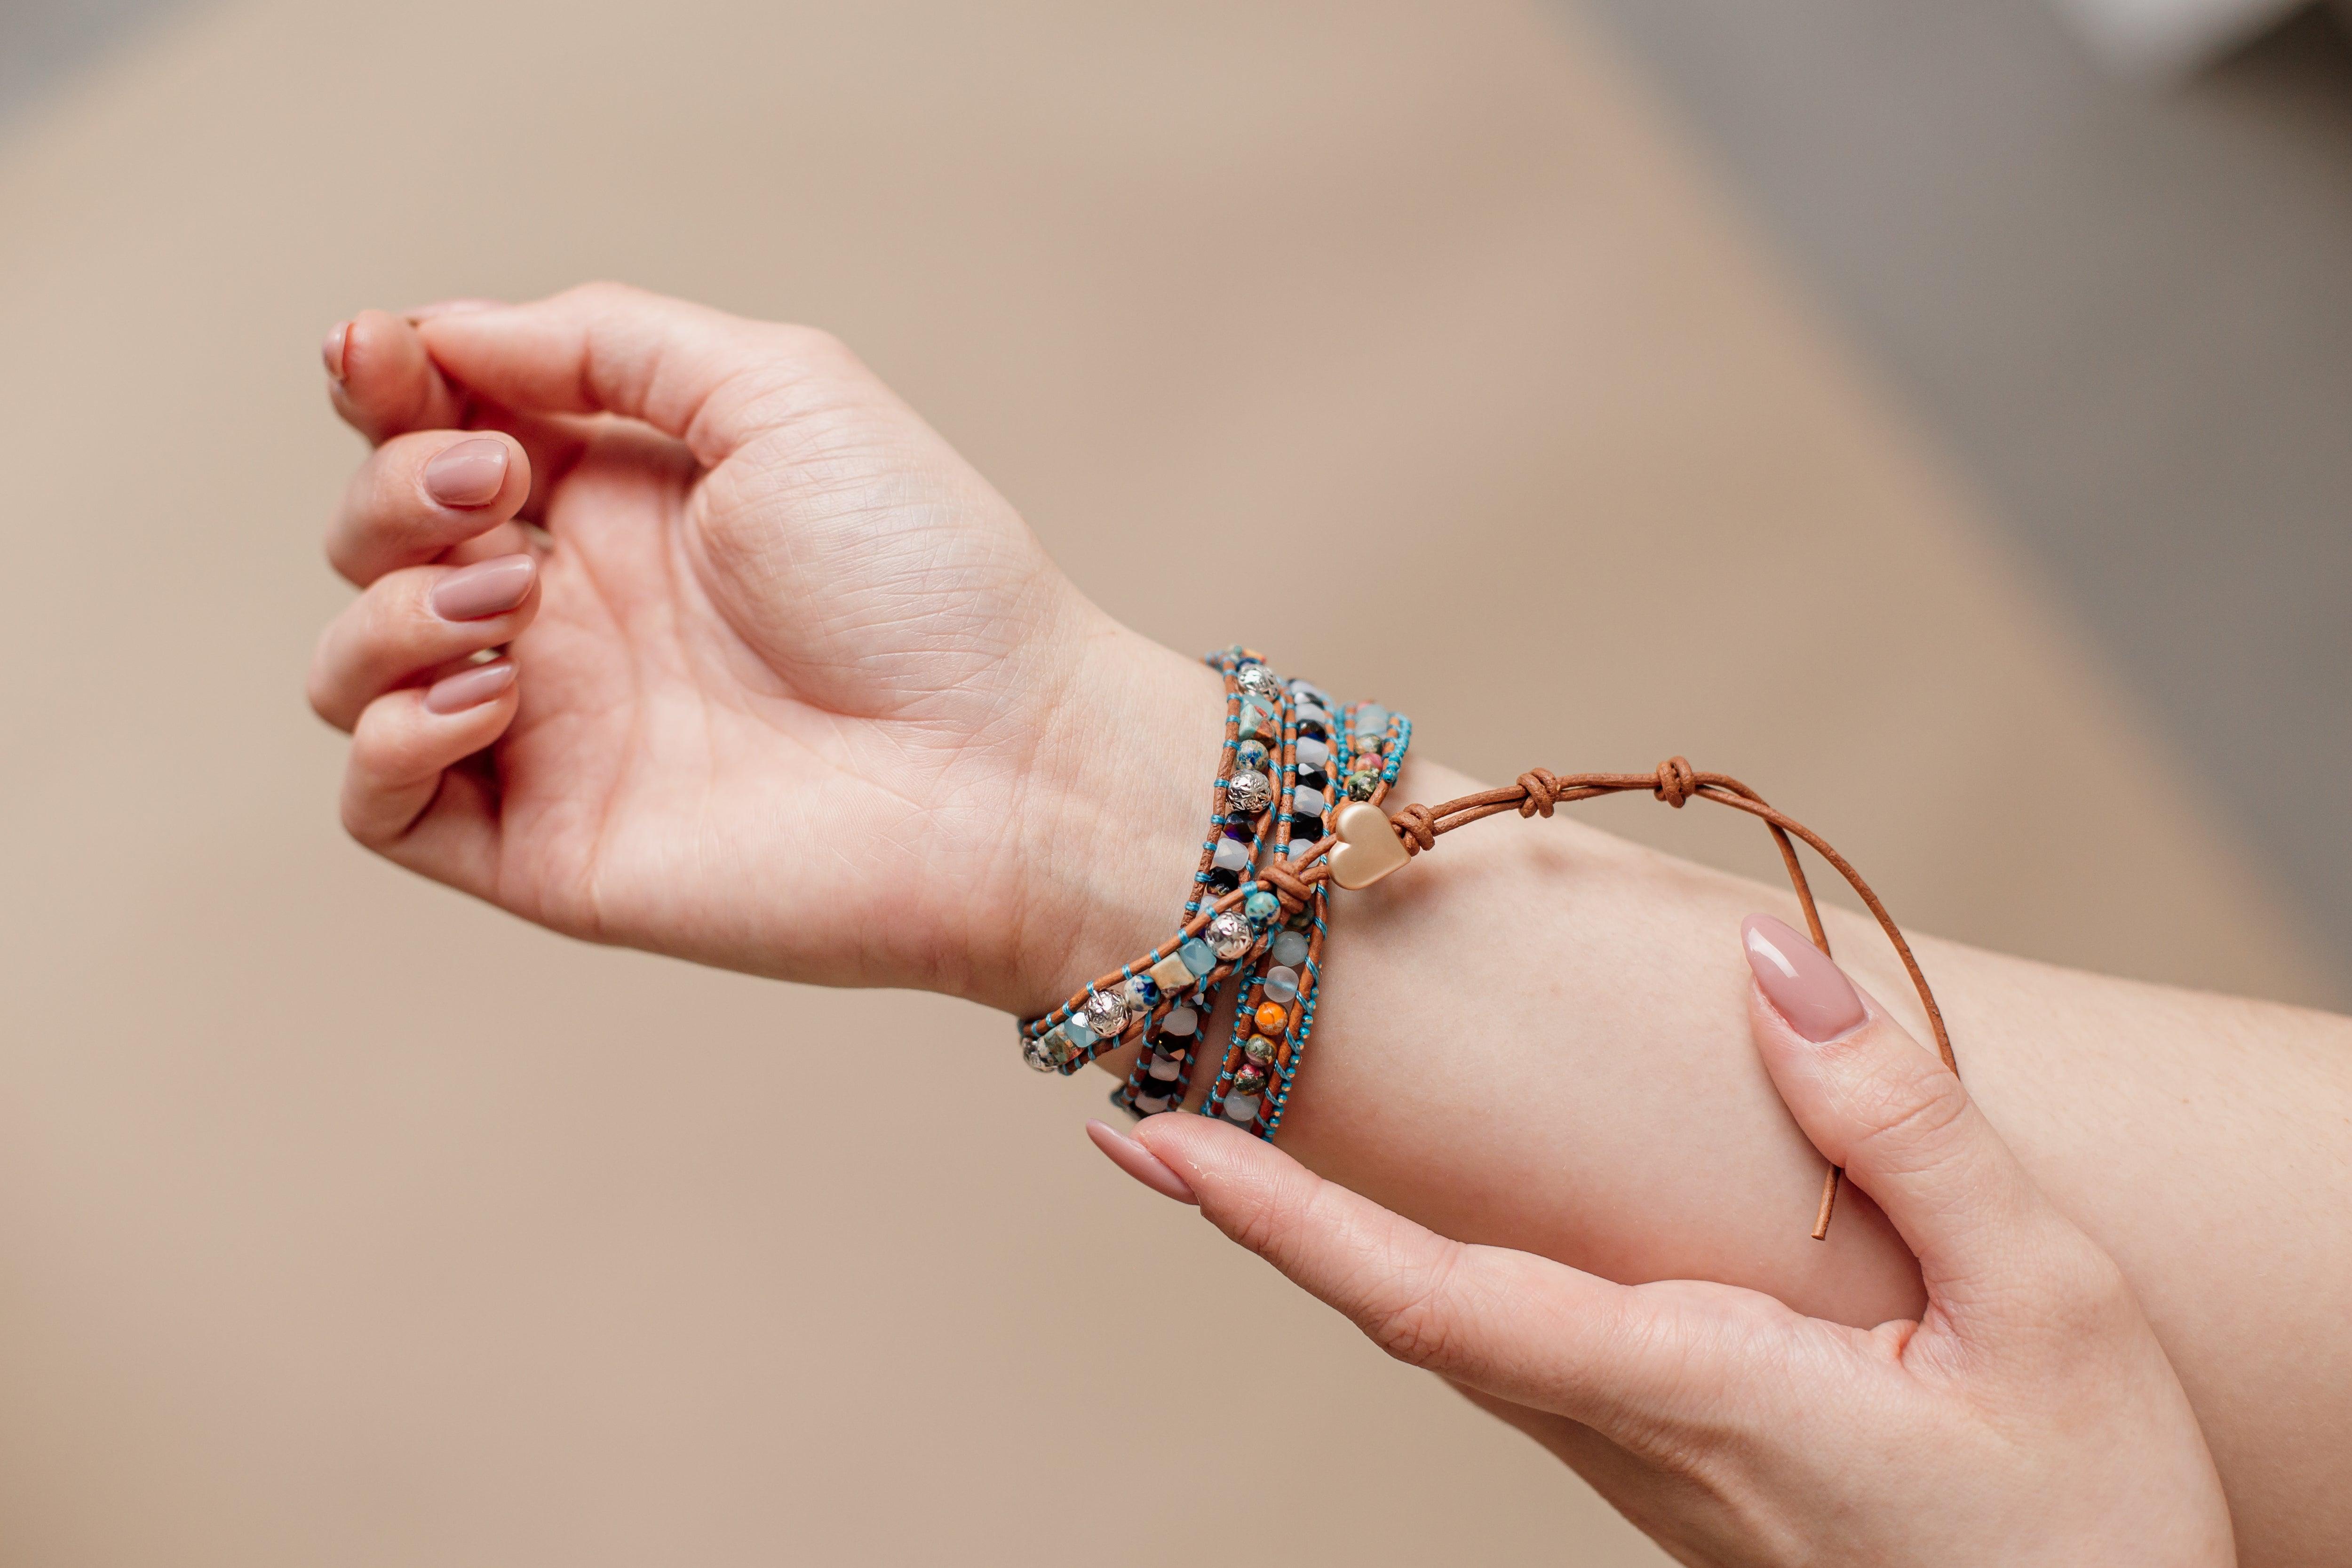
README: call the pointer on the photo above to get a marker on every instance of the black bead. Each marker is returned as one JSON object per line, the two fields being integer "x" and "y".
{"x": 1224, "y": 881}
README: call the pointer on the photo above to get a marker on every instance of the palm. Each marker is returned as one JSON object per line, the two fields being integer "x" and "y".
{"x": 779, "y": 683}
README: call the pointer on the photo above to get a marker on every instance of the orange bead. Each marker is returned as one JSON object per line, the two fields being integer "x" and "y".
{"x": 1273, "y": 1017}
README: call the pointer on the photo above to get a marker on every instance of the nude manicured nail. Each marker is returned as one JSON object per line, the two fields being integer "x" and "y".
{"x": 331, "y": 351}
{"x": 1799, "y": 979}
{"x": 1140, "y": 1162}
{"x": 470, "y": 687}
{"x": 485, "y": 588}
{"x": 470, "y": 473}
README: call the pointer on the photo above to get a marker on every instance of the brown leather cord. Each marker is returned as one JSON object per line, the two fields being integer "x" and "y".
{"x": 1674, "y": 782}
{"x": 1535, "y": 794}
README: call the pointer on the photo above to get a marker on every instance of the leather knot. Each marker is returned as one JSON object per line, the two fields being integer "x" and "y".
{"x": 1286, "y": 885}
{"x": 1677, "y": 781}
{"x": 1543, "y": 789}
{"x": 1417, "y": 827}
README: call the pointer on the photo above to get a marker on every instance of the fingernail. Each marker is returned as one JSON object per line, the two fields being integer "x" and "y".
{"x": 485, "y": 588}
{"x": 454, "y": 308}
{"x": 1799, "y": 979}
{"x": 470, "y": 687}
{"x": 468, "y": 474}
{"x": 1140, "y": 1162}
{"x": 331, "y": 351}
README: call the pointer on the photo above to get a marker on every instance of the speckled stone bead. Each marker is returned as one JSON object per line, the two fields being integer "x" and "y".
{"x": 1229, "y": 933}
{"x": 1172, "y": 974}
{"x": 1252, "y": 756}
{"x": 1360, "y": 785}
{"x": 1198, "y": 955}
{"x": 1142, "y": 994}
{"x": 1281, "y": 982}
{"x": 1271, "y": 1017}
{"x": 1106, "y": 1013}
{"x": 1248, "y": 1082}
{"x": 1261, "y": 906}
{"x": 1259, "y": 1050}
{"x": 1257, "y": 721}
{"x": 1248, "y": 792}
{"x": 1289, "y": 948}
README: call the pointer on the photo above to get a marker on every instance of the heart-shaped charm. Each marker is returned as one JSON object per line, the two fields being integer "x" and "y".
{"x": 1369, "y": 848}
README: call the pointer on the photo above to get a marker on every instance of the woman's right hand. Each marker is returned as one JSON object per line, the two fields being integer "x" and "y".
{"x": 786, "y": 687}
{"x": 2026, "y": 1415}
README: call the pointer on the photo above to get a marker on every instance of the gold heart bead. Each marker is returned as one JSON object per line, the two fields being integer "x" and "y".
{"x": 1369, "y": 848}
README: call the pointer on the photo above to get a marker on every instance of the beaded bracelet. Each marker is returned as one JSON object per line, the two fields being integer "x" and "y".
{"x": 1366, "y": 844}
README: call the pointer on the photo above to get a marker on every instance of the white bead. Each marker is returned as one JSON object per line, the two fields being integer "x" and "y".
{"x": 1151, "y": 1104}
{"x": 1164, "y": 1071}
{"x": 1307, "y": 801}
{"x": 1281, "y": 984}
{"x": 1289, "y": 948}
{"x": 1181, "y": 1021}
{"x": 1312, "y": 752}
{"x": 1243, "y": 1108}
{"x": 1231, "y": 854}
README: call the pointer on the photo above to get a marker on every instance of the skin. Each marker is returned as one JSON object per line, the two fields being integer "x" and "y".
{"x": 783, "y": 650}
{"x": 2026, "y": 1415}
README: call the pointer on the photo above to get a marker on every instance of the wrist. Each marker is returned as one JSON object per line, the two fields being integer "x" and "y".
{"x": 1111, "y": 813}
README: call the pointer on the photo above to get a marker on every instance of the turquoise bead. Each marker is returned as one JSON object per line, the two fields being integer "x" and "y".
{"x": 1261, "y": 906}
{"x": 1198, "y": 955}
{"x": 1076, "y": 1027}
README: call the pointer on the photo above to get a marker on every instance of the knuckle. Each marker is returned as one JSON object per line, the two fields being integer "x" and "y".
{"x": 1907, "y": 1114}
{"x": 1415, "y": 1321}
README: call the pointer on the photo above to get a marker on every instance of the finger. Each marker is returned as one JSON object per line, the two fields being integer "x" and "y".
{"x": 1876, "y": 1102}
{"x": 417, "y": 496}
{"x": 416, "y": 621}
{"x": 709, "y": 379}
{"x": 404, "y": 794}
{"x": 383, "y": 384}
{"x": 1517, "y": 1326}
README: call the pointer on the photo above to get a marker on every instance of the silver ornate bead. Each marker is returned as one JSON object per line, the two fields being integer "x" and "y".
{"x": 1258, "y": 681}
{"x": 1106, "y": 1013}
{"x": 1229, "y": 934}
{"x": 1249, "y": 793}
{"x": 1034, "y": 1053}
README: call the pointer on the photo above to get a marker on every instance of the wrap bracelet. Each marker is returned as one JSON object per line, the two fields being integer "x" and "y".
{"x": 1365, "y": 844}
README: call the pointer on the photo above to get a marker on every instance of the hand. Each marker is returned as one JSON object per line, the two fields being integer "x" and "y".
{"x": 2028, "y": 1415}
{"x": 786, "y": 686}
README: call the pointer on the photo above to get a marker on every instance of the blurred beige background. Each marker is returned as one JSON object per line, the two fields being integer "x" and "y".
{"x": 343, "y": 1221}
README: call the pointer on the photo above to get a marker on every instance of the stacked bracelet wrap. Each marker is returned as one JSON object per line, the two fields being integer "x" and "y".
{"x": 1286, "y": 899}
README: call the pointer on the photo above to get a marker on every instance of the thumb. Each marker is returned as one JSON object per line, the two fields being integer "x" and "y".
{"x": 1517, "y": 1326}
{"x": 712, "y": 380}
{"x": 1876, "y": 1102}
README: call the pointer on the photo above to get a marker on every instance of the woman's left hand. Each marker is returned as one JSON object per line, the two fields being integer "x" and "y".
{"x": 2028, "y": 1416}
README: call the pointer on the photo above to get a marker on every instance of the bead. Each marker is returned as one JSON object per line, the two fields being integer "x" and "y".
{"x": 1229, "y": 933}
{"x": 1271, "y": 1017}
{"x": 1259, "y": 1050}
{"x": 1310, "y": 714}
{"x": 1368, "y": 848}
{"x": 1289, "y": 950}
{"x": 1360, "y": 785}
{"x": 1106, "y": 1013}
{"x": 1249, "y": 793}
{"x": 1370, "y": 720}
{"x": 1058, "y": 1049}
{"x": 1221, "y": 879}
{"x": 1306, "y": 803}
{"x": 1313, "y": 754}
{"x": 1257, "y": 721}
{"x": 1261, "y": 906}
{"x": 1034, "y": 1053}
{"x": 1198, "y": 955}
{"x": 1163, "y": 1068}
{"x": 1146, "y": 1104}
{"x": 1302, "y": 847}
{"x": 1257, "y": 681}
{"x": 1248, "y": 1082}
{"x": 1252, "y": 755}
{"x": 1281, "y": 982}
{"x": 1230, "y": 855}
{"x": 1181, "y": 1023}
{"x": 1305, "y": 692}
{"x": 1243, "y": 1110}
{"x": 1075, "y": 1026}
{"x": 1142, "y": 994}
{"x": 1172, "y": 975}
